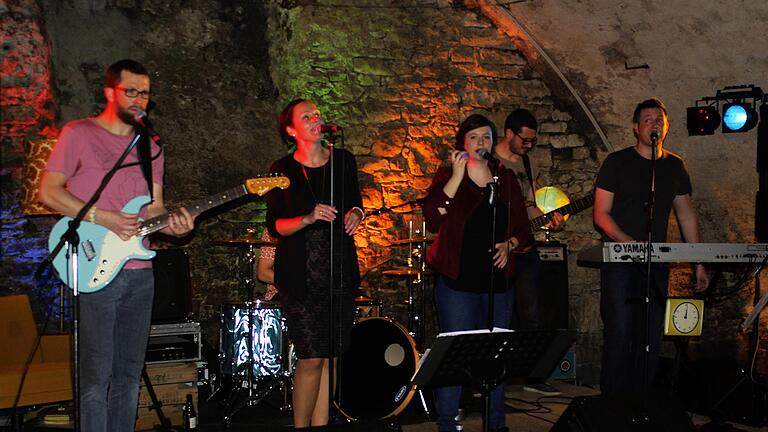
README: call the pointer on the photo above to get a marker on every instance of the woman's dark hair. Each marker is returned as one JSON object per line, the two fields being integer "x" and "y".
{"x": 112, "y": 75}
{"x": 286, "y": 119}
{"x": 470, "y": 123}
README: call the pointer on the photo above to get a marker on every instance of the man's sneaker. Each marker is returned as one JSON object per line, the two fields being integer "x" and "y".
{"x": 542, "y": 388}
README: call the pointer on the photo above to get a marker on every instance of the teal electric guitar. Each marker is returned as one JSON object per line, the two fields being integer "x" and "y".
{"x": 102, "y": 254}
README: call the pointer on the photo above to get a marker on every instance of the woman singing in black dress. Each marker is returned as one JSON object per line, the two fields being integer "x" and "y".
{"x": 300, "y": 217}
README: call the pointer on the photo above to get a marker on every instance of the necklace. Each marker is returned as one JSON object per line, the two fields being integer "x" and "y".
{"x": 309, "y": 184}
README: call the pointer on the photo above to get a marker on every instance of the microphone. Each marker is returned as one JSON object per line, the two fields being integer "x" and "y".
{"x": 330, "y": 128}
{"x": 655, "y": 134}
{"x": 485, "y": 154}
{"x": 143, "y": 121}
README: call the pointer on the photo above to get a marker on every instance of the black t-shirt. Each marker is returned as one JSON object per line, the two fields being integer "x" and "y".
{"x": 627, "y": 175}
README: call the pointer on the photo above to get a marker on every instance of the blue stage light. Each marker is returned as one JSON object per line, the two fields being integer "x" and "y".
{"x": 738, "y": 117}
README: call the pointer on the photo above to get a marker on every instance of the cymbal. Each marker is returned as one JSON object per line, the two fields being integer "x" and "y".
{"x": 413, "y": 240}
{"x": 404, "y": 271}
{"x": 365, "y": 299}
{"x": 244, "y": 242}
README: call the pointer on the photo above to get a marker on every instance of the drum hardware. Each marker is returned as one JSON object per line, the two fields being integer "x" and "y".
{"x": 415, "y": 270}
{"x": 367, "y": 307}
{"x": 246, "y": 372}
{"x": 413, "y": 240}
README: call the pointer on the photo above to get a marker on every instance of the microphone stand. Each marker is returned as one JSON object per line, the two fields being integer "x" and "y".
{"x": 331, "y": 275}
{"x": 71, "y": 239}
{"x": 487, "y": 385}
{"x": 650, "y": 205}
{"x": 493, "y": 188}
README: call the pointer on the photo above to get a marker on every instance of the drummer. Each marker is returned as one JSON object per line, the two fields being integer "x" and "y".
{"x": 266, "y": 266}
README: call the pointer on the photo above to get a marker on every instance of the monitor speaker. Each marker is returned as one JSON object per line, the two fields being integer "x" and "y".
{"x": 173, "y": 292}
{"x": 659, "y": 413}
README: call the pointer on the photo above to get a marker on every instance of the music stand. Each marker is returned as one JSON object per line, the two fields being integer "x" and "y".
{"x": 483, "y": 359}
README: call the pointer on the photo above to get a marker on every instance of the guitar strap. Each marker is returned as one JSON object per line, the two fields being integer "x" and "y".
{"x": 144, "y": 151}
{"x": 529, "y": 173}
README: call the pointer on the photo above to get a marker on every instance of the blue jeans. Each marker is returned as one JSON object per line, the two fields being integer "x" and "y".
{"x": 622, "y": 290}
{"x": 459, "y": 310}
{"x": 114, "y": 328}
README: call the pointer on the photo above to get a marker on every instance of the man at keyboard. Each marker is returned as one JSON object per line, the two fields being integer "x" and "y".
{"x": 620, "y": 214}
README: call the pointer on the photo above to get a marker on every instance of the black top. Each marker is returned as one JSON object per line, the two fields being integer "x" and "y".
{"x": 310, "y": 186}
{"x": 626, "y": 174}
{"x": 477, "y": 251}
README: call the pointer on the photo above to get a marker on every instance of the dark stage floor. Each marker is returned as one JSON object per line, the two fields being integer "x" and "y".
{"x": 526, "y": 412}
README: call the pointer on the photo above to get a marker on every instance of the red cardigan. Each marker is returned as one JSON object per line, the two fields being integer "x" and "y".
{"x": 445, "y": 253}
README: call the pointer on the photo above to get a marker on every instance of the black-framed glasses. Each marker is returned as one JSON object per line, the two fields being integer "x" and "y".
{"x": 132, "y": 92}
{"x": 529, "y": 141}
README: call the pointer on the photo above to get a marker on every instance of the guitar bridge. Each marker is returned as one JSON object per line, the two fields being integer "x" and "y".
{"x": 88, "y": 250}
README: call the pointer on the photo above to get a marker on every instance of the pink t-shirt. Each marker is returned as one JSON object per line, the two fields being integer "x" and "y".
{"x": 85, "y": 152}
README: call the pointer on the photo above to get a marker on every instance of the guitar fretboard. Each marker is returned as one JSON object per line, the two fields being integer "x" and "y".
{"x": 572, "y": 208}
{"x": 195, "y": 207}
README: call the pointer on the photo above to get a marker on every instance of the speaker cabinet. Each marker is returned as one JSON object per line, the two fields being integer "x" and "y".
{"x": 659, "y": 413}
{"x": 553, "y": 286}
{"x": 721, "y": 388}
{"x": 173, "y": 292}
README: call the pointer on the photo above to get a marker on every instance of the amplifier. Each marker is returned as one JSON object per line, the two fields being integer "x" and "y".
{"x": 174, "y": 343}
{"x": 553, "y": 286}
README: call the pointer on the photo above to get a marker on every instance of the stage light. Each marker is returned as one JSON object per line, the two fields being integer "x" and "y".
{"x": 702, "y": 120}
{"x": 738, "y": 117}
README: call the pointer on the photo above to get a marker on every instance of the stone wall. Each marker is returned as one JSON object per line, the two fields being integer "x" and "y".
{"x": 397, "y": 76}
{"x": 616, "y": 54}
{"x": 400, "y": 88}
{"x": 27, "y": 113}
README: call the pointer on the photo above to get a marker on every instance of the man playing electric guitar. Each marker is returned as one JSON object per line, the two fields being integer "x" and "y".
{"x": 520, "y": 129}
{"x": 114, "y": 321}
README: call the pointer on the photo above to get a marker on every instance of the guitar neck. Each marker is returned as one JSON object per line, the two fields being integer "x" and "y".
{"x": 195, "y": 207}
{"x": 572, "y": 208}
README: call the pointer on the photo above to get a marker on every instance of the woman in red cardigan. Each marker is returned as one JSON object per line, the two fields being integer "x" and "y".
{"x": 461, "y": 208}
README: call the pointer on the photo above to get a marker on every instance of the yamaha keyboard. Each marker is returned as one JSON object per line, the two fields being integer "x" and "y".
{"x": 685, "y": 252}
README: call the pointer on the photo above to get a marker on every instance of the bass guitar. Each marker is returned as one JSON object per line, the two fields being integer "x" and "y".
{"x": 103, "y": 254}
{"x": 539, "y": 223}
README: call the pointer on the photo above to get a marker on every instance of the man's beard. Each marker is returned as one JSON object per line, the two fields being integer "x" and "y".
{"x": 127, "y": 117}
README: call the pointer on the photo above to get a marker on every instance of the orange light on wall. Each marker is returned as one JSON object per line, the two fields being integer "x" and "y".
{"x": 36, "y": 154}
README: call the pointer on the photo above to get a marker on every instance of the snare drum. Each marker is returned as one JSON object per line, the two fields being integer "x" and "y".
{"x": 270, "y": 344}
{"x": 367, "y": 307}
{"x": 375, "y": 374}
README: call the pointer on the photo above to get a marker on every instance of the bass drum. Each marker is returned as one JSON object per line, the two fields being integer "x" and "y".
{"x": 375, "y": 374}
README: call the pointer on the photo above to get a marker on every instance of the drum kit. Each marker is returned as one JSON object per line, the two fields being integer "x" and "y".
{"x": 374, "y": 374}
{"x": 253, "y": 348}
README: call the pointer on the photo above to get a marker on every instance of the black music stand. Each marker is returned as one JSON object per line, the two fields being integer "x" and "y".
{"x": 483, "y": 359}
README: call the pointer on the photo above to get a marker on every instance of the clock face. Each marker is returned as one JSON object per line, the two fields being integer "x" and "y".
{"x": 685, "y": 317}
